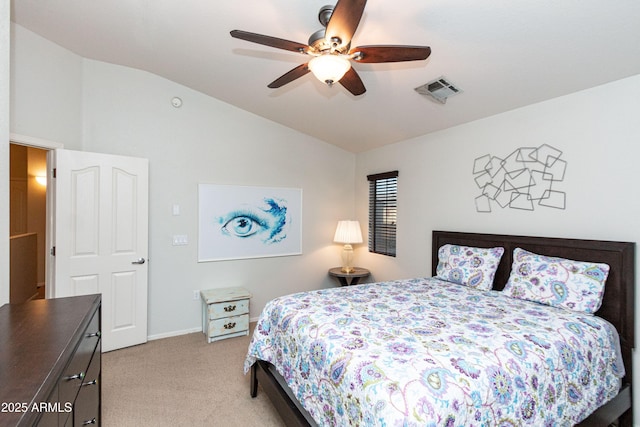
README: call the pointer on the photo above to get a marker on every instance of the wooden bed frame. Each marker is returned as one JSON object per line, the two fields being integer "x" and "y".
{"x": 617, "y": 307}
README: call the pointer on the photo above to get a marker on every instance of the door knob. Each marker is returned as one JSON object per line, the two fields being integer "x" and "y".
{"x": 138, "y": 261}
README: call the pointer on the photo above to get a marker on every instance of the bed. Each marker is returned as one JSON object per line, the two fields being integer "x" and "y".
{"x": 516, "y": 391}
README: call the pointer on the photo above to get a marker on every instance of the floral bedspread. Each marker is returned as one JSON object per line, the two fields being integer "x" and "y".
{"x": 425, "y": 352}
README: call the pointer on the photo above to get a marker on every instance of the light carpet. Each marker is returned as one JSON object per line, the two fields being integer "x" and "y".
{"x": 182, "y": 381}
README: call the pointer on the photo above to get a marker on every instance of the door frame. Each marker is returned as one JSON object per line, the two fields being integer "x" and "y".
{"x": 48, "y": 145}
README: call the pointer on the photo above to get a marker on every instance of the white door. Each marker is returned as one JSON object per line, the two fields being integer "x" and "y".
{"x": 100, "y": 235}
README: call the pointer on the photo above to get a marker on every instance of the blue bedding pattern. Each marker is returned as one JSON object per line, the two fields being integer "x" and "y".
{"x": 425, "y": 352}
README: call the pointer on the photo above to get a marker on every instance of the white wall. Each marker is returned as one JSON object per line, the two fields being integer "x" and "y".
{"x": 597, "y": 130}
{"x": 119, "y": 110}
{"x": 4, "y": 150}
{"x": 46, "y": 89}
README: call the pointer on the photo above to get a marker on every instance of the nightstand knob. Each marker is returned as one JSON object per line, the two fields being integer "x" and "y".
{"x": 230, "y": 325}
{"x": 230, "y": 308}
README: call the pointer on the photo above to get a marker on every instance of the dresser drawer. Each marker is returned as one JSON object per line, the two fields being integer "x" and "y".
{"x": 228, "y": 308}
{"x": 76, "y": 371}
{"x": 228, "y": 325}
{"x": 87, "y": 407}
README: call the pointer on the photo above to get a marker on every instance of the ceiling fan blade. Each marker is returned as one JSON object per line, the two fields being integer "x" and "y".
{"x": 353, "y": 83}
{"x": 344, "y": 21}
{"x": 290, "y": 76}
{"x": 373, "y": 54}
{"x": 271, "y": 41}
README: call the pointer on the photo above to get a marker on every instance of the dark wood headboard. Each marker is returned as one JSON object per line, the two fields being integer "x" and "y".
{"x": 618, "y": 301}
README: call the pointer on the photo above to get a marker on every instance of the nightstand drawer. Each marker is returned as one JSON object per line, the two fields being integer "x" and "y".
{"x": 227, "y": 309}
{"x": 228, "y": 325}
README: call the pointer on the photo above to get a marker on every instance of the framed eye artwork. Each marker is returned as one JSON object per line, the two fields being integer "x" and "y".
{"x": 237, "y": 222}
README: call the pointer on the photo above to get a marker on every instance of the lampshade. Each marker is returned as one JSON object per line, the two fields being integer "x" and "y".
{"x": 348, "y": 232}
{"x": 329, "y": 68}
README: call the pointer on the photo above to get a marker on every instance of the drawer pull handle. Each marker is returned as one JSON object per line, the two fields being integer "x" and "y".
{"x": 91, "y": 421}
{"x": 230, "y": 325}
{"x": 79, "y": 376}
{"x": 94, "y": 334}
{"x": 94, "y": 382}
{"x": 230, "y": 308}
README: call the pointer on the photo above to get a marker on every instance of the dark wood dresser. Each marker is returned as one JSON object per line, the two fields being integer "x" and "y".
{"x": 50, "y": 362}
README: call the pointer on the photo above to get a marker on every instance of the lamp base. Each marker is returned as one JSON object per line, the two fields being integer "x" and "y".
{"x": 347, "y": 259}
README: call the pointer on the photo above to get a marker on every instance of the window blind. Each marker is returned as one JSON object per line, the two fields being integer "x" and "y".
{"x": 383, "y": 209}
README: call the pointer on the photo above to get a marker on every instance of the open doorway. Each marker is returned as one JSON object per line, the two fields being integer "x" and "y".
{"x": 28, "y": 219}
{"x": 76, "y": 222}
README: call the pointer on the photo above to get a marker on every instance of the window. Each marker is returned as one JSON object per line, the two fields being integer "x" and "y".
{"x": 383, "y": 207}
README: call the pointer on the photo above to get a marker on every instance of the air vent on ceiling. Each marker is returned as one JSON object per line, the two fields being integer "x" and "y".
{"x": 439, "y": 89}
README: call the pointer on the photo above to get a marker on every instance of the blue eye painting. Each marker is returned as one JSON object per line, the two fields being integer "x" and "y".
{"x": 266, "y": 222}
{"x": 241, "y": 225}
{"x": 238, "y": 222}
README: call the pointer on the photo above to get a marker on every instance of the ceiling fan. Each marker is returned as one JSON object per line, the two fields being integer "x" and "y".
{"x": 331, "y": 50}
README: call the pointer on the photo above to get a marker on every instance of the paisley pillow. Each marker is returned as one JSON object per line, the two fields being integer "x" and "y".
{"x": 469, "y": 266}
{"x": 559, "y": 282}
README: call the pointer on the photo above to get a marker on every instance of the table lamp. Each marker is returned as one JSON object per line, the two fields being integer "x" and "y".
{"x": 348, "y": 232}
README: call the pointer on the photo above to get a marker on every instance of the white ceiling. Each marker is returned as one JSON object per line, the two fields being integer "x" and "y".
{"x": 503, "y": 54}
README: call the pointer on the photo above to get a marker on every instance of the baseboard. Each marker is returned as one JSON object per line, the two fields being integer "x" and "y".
{"x": 184, "y": 332}
{"x": 174, "y": 333}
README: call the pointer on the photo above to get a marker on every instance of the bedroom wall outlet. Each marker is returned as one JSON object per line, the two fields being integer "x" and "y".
{"x": 196, "y": 295}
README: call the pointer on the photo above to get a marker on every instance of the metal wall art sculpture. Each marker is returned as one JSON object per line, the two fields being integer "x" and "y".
{"x": 525, "y": 179}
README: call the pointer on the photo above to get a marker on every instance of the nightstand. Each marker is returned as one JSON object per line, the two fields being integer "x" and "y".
{"x": 347, "y": 279}
{"x": 225, "y": 313}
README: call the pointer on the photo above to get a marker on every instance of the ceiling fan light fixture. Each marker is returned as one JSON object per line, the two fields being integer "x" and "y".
{"x": 330, "y": 49}
{"x": 329, "y": 68}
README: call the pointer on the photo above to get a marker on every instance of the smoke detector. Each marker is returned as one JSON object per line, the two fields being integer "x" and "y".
{"x": 439, "y": 89}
